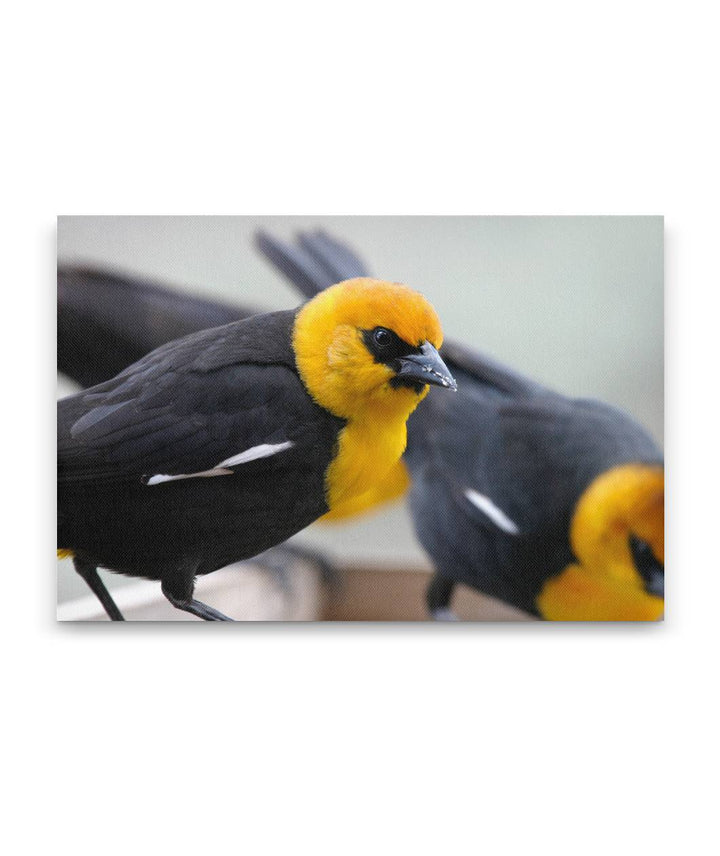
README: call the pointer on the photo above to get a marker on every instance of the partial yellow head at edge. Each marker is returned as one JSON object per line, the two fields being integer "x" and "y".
{"x": 605, "y": 585}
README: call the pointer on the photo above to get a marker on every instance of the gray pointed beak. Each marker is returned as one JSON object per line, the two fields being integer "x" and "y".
{"x": 425, "y": 367}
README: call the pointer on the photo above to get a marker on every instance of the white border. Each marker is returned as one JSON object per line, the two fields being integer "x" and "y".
{"x": 508, "y": 738}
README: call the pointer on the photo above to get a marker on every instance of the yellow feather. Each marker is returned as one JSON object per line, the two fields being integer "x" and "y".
{"x": 392, "y": 487}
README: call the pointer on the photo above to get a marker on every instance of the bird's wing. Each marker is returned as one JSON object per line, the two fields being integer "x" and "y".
{"x": 471, "y": 366}
{"x": 108, "y": 320}
{"x": 195, "y": 406}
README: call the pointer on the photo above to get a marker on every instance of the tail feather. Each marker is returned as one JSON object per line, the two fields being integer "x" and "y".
{"x": 309, "y": 276}
{"x": 343, "y": 262}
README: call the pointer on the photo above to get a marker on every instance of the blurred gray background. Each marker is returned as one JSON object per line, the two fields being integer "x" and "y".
{"x": 574, "y": 302}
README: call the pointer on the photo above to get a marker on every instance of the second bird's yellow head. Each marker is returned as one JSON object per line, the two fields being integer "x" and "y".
{"x": 366, "y": 343}
{"x": 617, "y": 534}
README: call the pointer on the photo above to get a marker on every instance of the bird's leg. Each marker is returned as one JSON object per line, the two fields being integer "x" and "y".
{"x": 437, "y": 598}
{"x": 89, "y": 573}
{"x": 179, "y": 591}
{"x": 196, "y": 607}
{"x": 276, "y": 559}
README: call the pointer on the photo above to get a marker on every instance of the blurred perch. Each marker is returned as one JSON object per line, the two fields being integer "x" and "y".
{"x": 246, "y": 591}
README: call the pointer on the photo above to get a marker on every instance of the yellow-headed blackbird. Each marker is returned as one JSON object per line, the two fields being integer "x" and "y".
{"x": 107, "y": 320}
{"x": 551, "y": 504}
{"x": 218, "y": 445}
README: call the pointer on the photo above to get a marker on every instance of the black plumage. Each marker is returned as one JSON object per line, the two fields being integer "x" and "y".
{"x": 532, "y": 452}
{"x": 181, "y": 410}
{"x": 107, "y": 320}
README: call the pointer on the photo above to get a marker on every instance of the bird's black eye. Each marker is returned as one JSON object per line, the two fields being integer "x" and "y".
{"x": 386, "y": 346}
{"x": 381, "y": 337}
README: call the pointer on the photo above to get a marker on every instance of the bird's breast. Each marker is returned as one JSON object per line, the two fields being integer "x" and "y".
{"x": 367, "y": 450}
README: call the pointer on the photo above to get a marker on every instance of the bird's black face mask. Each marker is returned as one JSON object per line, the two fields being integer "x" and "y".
{"x": 414, "y": 367}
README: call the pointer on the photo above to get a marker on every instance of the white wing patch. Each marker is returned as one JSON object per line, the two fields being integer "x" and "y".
{"x": 488, "y": 507}
{"x": 265, "y": 450}
{"x": 216, "y": 471}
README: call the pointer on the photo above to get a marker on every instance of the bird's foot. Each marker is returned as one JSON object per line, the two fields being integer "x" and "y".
{"x": 443, "y": 614}
{"x": 196, "y": 607}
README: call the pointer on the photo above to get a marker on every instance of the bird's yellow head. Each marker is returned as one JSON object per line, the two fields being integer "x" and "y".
{"x": 365, "y": 343}
{"x": 617, "y": 534}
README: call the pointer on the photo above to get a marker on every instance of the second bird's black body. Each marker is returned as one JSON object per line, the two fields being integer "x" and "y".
{"x": 181, "y": 410}
{"x": 531, "y": 450}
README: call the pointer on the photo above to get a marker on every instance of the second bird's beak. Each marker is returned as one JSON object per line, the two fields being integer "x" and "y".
{"x": 426, "y": 367}
{"x": 656, "y": 585}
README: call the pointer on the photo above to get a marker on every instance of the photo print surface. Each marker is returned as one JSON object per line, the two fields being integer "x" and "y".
{"x": 360, "y": 418}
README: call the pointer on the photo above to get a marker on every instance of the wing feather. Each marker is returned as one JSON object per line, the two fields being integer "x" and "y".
{"x": 184, "y": 408}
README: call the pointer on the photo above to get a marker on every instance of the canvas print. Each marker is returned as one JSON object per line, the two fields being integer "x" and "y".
{"x": 360, "y": 418}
